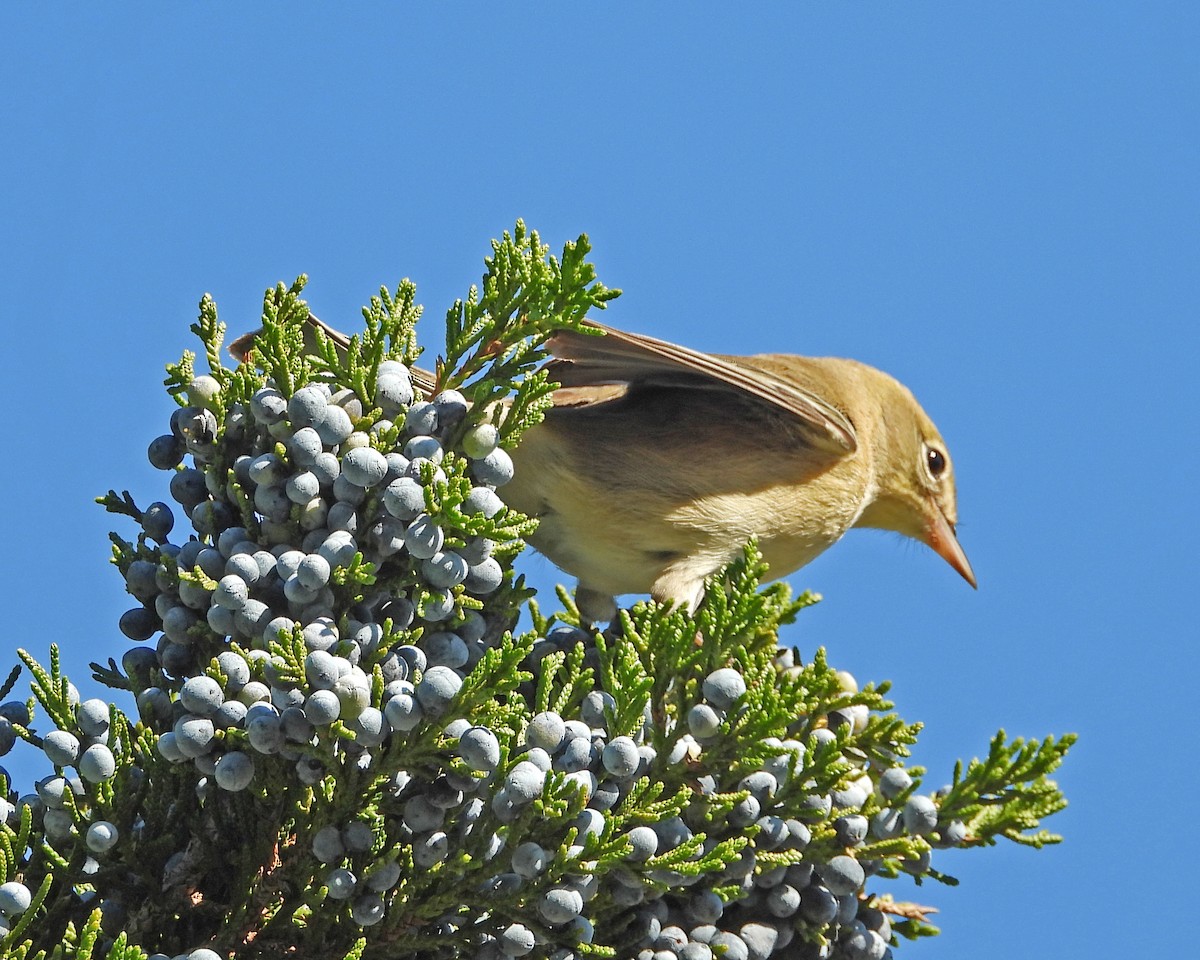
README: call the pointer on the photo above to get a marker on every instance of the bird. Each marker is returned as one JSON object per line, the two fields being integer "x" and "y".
{"x": 658, "y": 463}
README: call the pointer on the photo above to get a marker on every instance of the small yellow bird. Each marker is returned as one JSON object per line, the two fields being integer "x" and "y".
{"x": 658, "y": 463}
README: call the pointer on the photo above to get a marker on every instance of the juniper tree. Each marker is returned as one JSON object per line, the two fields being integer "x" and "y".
{"x": 332, "y": 738}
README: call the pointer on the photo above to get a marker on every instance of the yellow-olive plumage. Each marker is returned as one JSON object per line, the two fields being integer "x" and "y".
{"x": 658, "y": 463}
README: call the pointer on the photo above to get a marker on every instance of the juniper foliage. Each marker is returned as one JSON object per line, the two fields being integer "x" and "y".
{"x": 330, "y": 739}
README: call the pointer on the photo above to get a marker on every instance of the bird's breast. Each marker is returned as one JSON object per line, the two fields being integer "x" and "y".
{"x": 622, "y": 510}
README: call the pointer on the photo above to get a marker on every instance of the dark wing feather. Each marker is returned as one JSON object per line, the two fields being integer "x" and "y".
{"x": 241, "y": 347}
{"x": 424, "y": 381}
{"x": 594, "y": 370}
{"x": 632, "y": 360}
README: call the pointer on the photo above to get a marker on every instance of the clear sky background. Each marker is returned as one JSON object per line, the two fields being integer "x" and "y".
{"x": 996, "y": 203}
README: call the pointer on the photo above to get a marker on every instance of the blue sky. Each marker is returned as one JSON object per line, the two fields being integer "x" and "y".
{"x": 999, "y": 206}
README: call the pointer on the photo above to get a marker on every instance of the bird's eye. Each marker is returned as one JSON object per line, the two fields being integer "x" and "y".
{"x": 936, "y": 461}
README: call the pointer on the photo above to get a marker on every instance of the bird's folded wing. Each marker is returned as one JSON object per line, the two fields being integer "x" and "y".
{"x": 621, "y": 362}
{"x": 595, "y": 370}
{"x": 424, "y": 380}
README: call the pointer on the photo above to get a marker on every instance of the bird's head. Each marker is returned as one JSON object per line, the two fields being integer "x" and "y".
{"x": 913, "y": 475}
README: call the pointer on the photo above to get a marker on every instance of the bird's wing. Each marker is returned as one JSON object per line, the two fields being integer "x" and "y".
{"x": 595, "y": 370}
{"x": 620, "y": 362}
{"x": 241, "y": 347}
{"x": 423, "y": 379}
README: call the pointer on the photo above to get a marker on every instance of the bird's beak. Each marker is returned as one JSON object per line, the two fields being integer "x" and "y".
{"x": 940, "y": 535}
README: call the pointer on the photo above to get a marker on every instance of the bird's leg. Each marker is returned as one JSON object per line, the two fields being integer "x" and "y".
{"x": 595, "y": 606}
